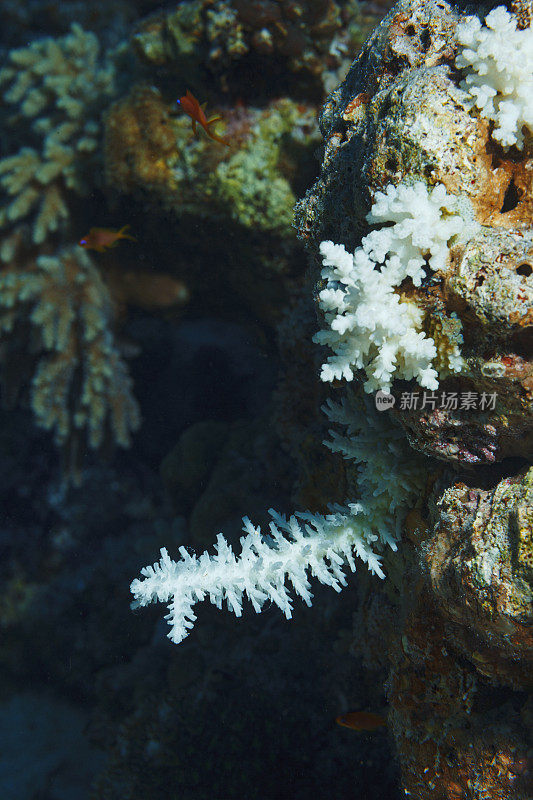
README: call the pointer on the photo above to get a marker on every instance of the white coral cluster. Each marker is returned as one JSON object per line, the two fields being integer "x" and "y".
{"x": 499, "y": 62}
{"x": 369, "y": 326}
{"x": 313, "y": 545}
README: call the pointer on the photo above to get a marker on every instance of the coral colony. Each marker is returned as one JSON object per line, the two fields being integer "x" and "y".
{"x": 320, "y": 544}
{"x": 497, "y": 60}
{"x": 60, "y": 85}
{"x": 72, "y": 332}
{"x": 371, "y": 328}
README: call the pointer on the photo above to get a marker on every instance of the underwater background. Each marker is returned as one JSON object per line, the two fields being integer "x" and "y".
{"x": 148, "y": 400}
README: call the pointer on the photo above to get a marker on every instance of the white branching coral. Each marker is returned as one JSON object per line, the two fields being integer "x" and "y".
{"x": 260, "y": 572}
{"x": 498, "y": 59}
{"x": 369, "y": 326}
{"x": 306, "y": 544}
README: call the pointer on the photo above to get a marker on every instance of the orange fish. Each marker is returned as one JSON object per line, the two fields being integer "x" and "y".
{"x": 102, "y": 239}
{"x": 192, "y": 107}
{"x": 361, "y": 720}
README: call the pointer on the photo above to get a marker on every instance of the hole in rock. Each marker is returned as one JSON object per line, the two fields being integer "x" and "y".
{"x": 524, "y": 269}
{"x": 511, "y": 199}
{"x": 425, "y": 40}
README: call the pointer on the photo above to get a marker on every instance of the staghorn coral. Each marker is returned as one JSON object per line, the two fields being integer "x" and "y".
{"x": 81, "y": 389}
{"x": 58, "y": 85}
{"x": 369, "y": 327}
{"x": 81, "y": 384}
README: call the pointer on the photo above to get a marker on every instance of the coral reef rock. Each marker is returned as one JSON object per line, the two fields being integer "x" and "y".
{"x": 246, "y": 44}
{"x": 402, "y": 116}
{"x": 419, "y": 107}
{"x": 480, "y": 566}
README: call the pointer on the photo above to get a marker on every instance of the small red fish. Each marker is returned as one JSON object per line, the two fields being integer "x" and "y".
{"x": 102, "y": 239}
{"x": 192, "y": 107}
{"x": 361, "y": 720}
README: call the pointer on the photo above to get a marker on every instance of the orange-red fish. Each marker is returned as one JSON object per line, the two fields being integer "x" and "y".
{"x": 192, "y": 107}
{"x": 102, "y": 239}
{"x": 361, "y": 720}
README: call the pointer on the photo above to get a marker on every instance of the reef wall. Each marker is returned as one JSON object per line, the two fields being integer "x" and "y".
{"x": 424, "y": 103}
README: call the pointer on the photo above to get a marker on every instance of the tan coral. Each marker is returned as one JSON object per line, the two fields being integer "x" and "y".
{"x": 57, "y": 87}
{"x": 22, "y": 178}
{"x": 81, "y": 385}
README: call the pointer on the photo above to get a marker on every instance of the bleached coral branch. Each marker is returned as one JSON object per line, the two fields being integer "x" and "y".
{"x": 306, "y": 544}
{"x": 369, "y": 326}
{"x": 261, "y": 571}
{"x": 498, "y": 59}
{"x": 390, "y": 473}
